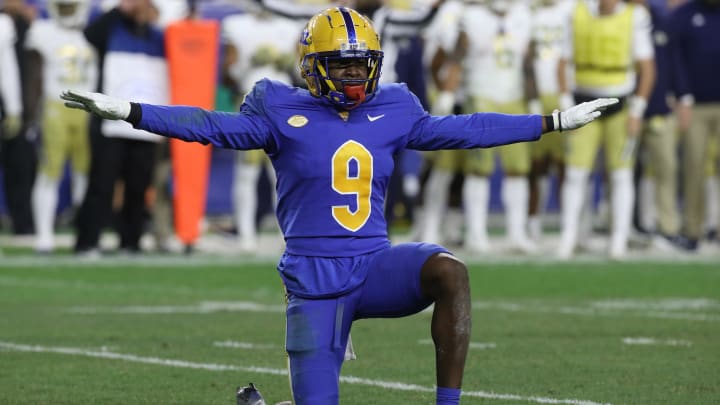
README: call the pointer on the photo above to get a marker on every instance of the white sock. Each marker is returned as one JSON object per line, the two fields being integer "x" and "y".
{"x": 712, "y": 203}
{"x": 588, "y": 214}
{"x": 573, "y": 193}
{"x": 514, "y": 193}
{"x": 622, "y": 200}
{"x": 535, "y": 227}
{"x": 44, "y": 204}
{"x": 435, "y": 198}
{"x": 476, "y": 196}
{"x": 543, "y": 193}
{"x": 453, "y": 224}
{"x": 245, "y": 199}
{"x": 79, "y": 186}
{"x": 646, "y": 201}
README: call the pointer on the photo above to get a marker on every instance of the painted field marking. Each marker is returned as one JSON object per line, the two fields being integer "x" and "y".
{"x": 659, "y": 308}
{"x": 664, "y": 309}
{"x": 655, "y": 342}
{"x": 274, "y": 371}
{"x": 244, "y": 345}
{"x": 201, "y": 308}
{"x": 473, "y": 345}
{"x": 647, "y": 310}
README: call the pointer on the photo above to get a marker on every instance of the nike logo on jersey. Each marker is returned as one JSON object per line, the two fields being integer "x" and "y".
{"x": 372, "y": 118}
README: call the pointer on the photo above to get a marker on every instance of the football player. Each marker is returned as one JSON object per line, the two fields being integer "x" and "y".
{"x": 332, "y": 148}
{"x": 59, "y": 56}
{"x": 657, "y": 200}
{"x": 493, "y": 48}
{"x": 10, "y": 92}
{"x": 549, "y": 19}
{"x": 693, "y": 24}
{"x": 610, "y": 47}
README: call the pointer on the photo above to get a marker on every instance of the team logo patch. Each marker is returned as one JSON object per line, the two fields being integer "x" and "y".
{"x": 297, "y": 121}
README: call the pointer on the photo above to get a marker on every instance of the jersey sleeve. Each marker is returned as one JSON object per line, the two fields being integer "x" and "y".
{"x": 248, "y": 129}
{"x": 33, "y": 37}
{"x": 479, "y": 130}
{"x": 643, "y": 48}
{"x": 566, "y": 50}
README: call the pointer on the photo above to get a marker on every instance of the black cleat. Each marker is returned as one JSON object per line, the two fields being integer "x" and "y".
{"x": 249, "y": 396}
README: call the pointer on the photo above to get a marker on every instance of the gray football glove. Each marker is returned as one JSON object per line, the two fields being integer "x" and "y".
{"x": 105, "y": 106}
{"x": 581, "y": 114}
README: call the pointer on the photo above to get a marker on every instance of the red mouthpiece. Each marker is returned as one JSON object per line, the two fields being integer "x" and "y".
{"x": 355, "y": 92}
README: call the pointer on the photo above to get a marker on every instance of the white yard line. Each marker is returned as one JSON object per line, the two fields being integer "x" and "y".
{"x": 245, "y": 345}
{"x": 274, "y": 371}
{"x": 665, "y": 304}
{"x": 200, "y": 308}
{"x": 656, "y": 342}
{"x": 648, "y": 311}
{"x": 686, "y": 309}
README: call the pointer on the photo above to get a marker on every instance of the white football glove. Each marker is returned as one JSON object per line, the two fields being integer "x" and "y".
{"x": 105, "y": 106}
{"x": 581, "y": 114}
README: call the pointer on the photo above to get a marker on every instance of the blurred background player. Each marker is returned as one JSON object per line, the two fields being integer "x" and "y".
{"x": 712, "y": 190}
{"x": 131, "y": 53}
{"x": 260, "y": 44}
{"x": 19, "y": 159}
{"x": 441, "y": 58}
{"x": 549, "y": 20}
{"x": 401, "y": 24}
{"x": 493, "y": 46}
{"x": 58, "y": 56}
{"x": 695, "y": 27}
{"x": 10, "y": 92}
{"x": 609, "y": 44}
{"x": 657, "y": 199}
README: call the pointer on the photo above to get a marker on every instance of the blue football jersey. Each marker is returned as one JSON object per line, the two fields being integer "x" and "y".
{"x": 333, "y": 167}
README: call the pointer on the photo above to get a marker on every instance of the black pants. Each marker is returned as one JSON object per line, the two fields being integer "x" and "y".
{"x": 131, "y": 161}
{"x": 19, "y": 162}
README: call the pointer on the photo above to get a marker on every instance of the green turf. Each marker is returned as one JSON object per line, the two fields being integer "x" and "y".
{"x": 558, "y": 332}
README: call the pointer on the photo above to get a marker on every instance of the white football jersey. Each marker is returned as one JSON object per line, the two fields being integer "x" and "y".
{"x": 549, "y": 25}
{"x": 442, "y": 32}
{"x": 69, "y": 61}
{"x": 497, "y": 46}
{"x": 251, "y": 33}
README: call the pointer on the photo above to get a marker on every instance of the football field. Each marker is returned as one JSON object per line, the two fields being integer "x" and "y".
{"x": 188, "y": 330}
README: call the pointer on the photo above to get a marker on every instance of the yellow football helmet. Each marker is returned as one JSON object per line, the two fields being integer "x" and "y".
{"x": 333, "y": 34}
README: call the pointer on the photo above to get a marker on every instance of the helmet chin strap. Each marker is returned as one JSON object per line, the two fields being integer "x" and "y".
{"x": 352, "y": 93}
